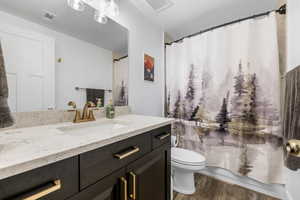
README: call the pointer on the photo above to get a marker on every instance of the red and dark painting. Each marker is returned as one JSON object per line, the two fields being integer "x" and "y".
{"x": 148, "y": 68}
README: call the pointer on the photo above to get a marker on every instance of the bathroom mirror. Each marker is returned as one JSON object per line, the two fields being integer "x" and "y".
{"x": 54, "y": 54}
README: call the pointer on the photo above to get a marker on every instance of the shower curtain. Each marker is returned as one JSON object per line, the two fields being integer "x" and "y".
{"x": 223, "y": 88}
{"x": 5, "y": 117}
{"x": 120, "y": 83}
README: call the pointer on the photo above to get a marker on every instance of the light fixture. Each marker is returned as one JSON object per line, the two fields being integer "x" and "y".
{"x": 49, "y": 16}
{"x": 78, "y": 5}
{"x": 101, "y": 13}
{"x": 100, "y": 17}
{"x": 113, "y": 9}
{"x": 105, "y": 8}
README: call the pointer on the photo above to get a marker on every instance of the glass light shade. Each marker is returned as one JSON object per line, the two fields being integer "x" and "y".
{"x": 113, "y": 9}
{"x": 101, "y": 13}
{"x": 100, "y": 17}
{"x": 78, "y": 5}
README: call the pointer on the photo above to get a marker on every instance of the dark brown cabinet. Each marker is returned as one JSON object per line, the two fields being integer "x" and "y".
{"x": 145, "y": 173}
{"x": 148, "y": 177}
{"x": 112, "y": 187}
{"x": 52, "y": 182}
{"x": 137, "y": 168}
{"x": 97, "y": 164}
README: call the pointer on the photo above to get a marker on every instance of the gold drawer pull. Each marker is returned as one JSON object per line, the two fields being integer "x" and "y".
{"x": 126, "y": 154}
{"x": 123, "y": 188}
{"x": 132, "y": 181}
{"x": 162, "y": 137}
{"x": 55, "y": 187}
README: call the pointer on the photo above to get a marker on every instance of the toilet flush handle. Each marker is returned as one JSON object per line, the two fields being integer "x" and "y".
{"x": 293, "y": 147}
{"x": 174, "y": 140}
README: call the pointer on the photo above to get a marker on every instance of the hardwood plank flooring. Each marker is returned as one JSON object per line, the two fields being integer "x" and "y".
{"x": 212, "y": 189}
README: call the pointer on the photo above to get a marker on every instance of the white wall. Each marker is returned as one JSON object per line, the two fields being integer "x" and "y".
{"x": 83, "y": 64}
{"x": 293, "y": 48}
{"x": 144, "y": 97}
{"x": 293, "y": 33}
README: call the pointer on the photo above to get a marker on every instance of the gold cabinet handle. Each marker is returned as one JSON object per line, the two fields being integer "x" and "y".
{"x": 293, "y": 147}
{"x": 162, "y": 137}
{"x": 123, "y": 188}
{"x": 132, "y": 182}
{"x": 55, "y": 187}
{"x": 127, "y": 153}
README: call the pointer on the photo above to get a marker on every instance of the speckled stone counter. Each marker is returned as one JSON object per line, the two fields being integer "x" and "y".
{"x": 25, "y": 149}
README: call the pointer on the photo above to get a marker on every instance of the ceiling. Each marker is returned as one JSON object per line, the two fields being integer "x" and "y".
{"x": 111, "y": 36}
{"x": 186, "y": 17}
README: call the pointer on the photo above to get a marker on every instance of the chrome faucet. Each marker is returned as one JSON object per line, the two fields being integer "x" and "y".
{"x": 87, "y": 115}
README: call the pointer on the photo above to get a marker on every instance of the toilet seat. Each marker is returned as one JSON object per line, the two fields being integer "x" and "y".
{"x": 187, "y": 157}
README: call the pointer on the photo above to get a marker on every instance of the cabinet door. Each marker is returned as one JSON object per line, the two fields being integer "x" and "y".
{"x": 112, "y": 187}
{"x": 149, "y": 177}
{"x": 30, "y": 64}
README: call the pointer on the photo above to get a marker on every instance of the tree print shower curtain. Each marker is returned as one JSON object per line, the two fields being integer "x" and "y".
{"x": 120, "y": 82}
{"x": 223, "y": 88}
{"x": 6, "y": 119}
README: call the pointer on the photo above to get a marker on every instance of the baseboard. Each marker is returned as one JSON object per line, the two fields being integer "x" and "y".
{"x": 274, "y": 190}
{"x": 288, "y": 196}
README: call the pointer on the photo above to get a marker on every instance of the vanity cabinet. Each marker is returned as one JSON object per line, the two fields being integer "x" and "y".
{"x": 144, "y": 169}
{"x": 112, "y": 187}
{"x": 137, "y": 168}
{"x": 54, "y": 182}
{"x": 97, "y": 164}
{"x": 148, "y": 177}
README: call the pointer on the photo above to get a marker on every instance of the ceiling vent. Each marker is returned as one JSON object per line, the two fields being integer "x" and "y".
{"x": 48, "y": 15}
{"x": 160, "y": 5}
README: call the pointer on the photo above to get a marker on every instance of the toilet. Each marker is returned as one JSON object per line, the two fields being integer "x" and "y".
{"x": 184, "y": 164}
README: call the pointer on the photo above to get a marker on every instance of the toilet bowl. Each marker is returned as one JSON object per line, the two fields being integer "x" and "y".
{"x": 184, "y": 164}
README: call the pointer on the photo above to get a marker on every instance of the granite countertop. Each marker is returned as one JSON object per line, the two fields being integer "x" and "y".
{"x": 25, "y": 149}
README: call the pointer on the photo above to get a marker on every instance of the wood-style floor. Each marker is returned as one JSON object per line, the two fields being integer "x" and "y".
{"x": 212, "y": 189}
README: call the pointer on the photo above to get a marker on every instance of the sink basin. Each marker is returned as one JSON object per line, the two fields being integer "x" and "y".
{"x": 94, "y": 127}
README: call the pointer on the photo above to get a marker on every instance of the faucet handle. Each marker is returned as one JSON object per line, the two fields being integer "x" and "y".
{"x": 72, "y": 104}
{"x": 90, "y": 104}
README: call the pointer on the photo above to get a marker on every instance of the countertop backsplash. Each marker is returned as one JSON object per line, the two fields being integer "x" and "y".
{"x": 39, "y": 118}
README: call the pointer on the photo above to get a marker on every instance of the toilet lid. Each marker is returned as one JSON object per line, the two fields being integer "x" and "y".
{"x": 186, "y": 156}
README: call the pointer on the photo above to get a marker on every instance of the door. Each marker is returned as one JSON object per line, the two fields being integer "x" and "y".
{"x": 112, "y": 187}
{"x": 30, "y": 65}
{"x": 149, "y": 177}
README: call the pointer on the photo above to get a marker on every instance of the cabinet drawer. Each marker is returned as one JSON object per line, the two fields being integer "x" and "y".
{"x": 161, "y": 136}
{"x": 55, "y": 181}
{"x": 96, "y": 164}
{"x": 107, "y": 188}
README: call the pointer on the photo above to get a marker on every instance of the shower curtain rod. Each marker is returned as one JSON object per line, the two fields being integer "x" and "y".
{"x": 281, "y": 11}
{"x": 118, "y": 59}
